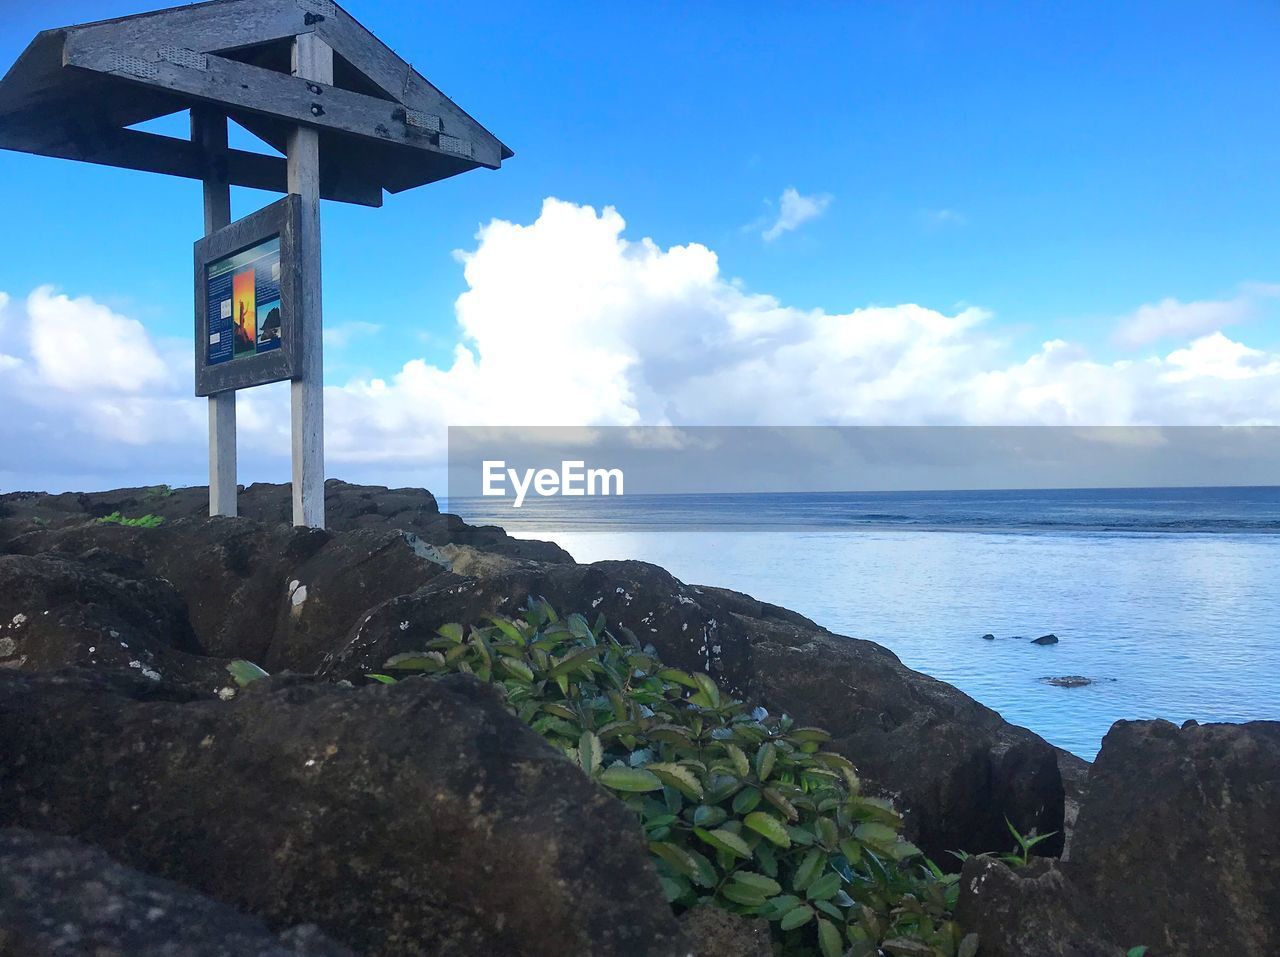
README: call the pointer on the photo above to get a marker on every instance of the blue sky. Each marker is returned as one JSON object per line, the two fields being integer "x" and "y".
{"x": 1057, "y": 166}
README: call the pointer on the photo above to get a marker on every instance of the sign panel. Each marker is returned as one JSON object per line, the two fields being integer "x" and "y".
{"x": 247, "y": 302}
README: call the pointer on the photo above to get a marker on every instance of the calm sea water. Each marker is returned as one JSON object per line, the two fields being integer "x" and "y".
{"x": 1169, "y": 599}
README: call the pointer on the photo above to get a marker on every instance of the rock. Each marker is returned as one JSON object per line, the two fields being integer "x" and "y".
{"x": 61, "y": 898}
{"x": 1068, "y": 681}
{"x": 1045, "y": 640}
{"x": 413, "y": 819}
{"x": 954, "y": 766}
{"x": 347, "y": 508}
{"x": 1075, "y": 784}
{"x": 988, "y": 637}
{"x": 714, "y": 932}
{"x": 1177, "y": 839}
{"x": 1032, "y": 911}
{"x": 56, "y": 612}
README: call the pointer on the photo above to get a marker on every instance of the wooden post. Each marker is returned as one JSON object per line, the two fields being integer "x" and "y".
{"x": 209, "y": 132}
{"x": 312, "y": 60}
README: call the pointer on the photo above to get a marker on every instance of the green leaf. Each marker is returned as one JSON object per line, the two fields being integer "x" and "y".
{"x": 245, "y": 672}
{"x": 766, "y": 885}
{"x": 739, "y": 758}
{"x": 451, "y": 631}
{"x": 768, "y": 827}
{"x": 765, "y": 758}
{"x": 723, "y": 840}
{"x": 904, "y": 947}
{"x": 516, "y": 668}
{"x": 508, "y": 629}
{"x": 416, "y": 661}
{"x": 629, "y": 779}
{"x": 746, "y": 801}
{"x": 676, "y": 857}
{"x": 385, "y": 679}
{"x": 707, "y": 816}
{"x": 796, "y": 917}
{"x": 825, "y": 887}
{"x": 678, "y": 777}
{"x": 829, "y": 939}
{"x": 672, "y": 888}
{"x": 590, "y": 752}
{"x": 872, "y": 832}
{"x": 810, "y": 867}
{"x": 969, "y": 947}
{"x": 741, "y": 894}
{"x": 1140, "y": 951}
{"x": 708, "y": 688}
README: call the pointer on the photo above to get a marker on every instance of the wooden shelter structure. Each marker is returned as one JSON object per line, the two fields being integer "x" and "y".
{"x": 352, "y": 119}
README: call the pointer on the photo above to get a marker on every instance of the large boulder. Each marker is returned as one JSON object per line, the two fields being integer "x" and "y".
{"x": 62, "y": 898}
{"x": 1031, "y": 911}
{"x": 101, "y": 611}
{"x": 1177, "y": 838}
{"x": 954, "y": 766}
{"x": 414, "y": 819}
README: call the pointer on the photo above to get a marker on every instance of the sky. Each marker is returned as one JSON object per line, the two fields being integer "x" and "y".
{"x": 718, "y": 213}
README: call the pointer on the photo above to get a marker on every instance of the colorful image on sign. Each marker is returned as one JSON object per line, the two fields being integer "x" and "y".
{"x": 243, "y": 305}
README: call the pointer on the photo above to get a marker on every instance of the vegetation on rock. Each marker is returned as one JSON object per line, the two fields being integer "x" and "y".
{"x": 741, "y": 809}
{"x": 142, "y": 521}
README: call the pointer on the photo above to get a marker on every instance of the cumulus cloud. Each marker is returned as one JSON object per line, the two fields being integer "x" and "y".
{"x": 1173, "y": 319}
{"x": 794, "y": 210}
{"x": 341, "y": 336}
{"x": 566, "y": 321}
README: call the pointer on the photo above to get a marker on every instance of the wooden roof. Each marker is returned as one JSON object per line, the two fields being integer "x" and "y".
{"x": 75, "y": 92}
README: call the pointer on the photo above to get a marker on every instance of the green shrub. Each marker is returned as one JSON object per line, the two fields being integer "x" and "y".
{"x": 142, "y": 521}
{"x": 740, "y": 809}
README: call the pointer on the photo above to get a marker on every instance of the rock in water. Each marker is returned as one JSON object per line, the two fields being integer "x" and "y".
{"x": 1068, "y": 681}
{"x": 61, "y": 898}
{"x": 988, "y": 637}
{"x": 1177, "y": 838}
{"x": 413, "y": 819}
{"x": 1045, "y": 640}
{"x": 1032, "y": 911}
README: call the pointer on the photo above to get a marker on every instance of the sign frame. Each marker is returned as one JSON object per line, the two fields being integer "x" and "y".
{"x": 281, "y": 219}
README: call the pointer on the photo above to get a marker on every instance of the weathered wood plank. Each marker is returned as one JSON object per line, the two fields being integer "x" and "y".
{"x": 152, "y": 153}
{"x": 312, "y": 60}
{"x": 203, "y": 27}
{"x": 354, "y": 43}
{"x": 209, "y": 133}
{"x": 236, "y": 85}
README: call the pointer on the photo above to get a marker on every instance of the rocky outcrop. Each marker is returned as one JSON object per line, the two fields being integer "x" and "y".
{"x": 414, "y": 819}
{"x": 1177, "y": 841}
{"x": 62, "y": 898}
{"x": 347, "y": 508}
{"x": 714, "y": 932}
{"x": 1031, "y": 911}
{"x": 954, "y": 766}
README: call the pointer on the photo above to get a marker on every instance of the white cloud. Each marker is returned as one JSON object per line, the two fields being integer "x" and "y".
{"x": 1173, "y": 319}
{"x": 794, "y": 210}
{"x": 565, "y": 321}
{"x": 79, "y": 344}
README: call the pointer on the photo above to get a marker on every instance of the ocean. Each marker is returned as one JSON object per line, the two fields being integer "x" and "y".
{"x": 1165, "y": 599}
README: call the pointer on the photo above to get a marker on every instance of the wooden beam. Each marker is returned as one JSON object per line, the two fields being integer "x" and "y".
{"x": 152, "y": 153}
{"x": 353, "y": 42}
{"x": 298, "y": 100}
{"x": 312, "y": 61}
{"x": 209, "y": 132}
{"x": 203, "y": 27}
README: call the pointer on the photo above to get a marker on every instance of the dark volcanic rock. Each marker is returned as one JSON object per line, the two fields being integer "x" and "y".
{"x": 714, "y": 932}
{"x": 988, "y": 637}
{"x": 56, "y": 612}
{"x": 954, "y": 766}
{"x": 1033, "y": 911}
{"x": 1045, "y": 640}
{"x": 347, "y": 508}
{"x": 1177, "y": 838}
{"x": 61, "y": 898}
{"x": 1068, "y": 681}
{"x": 413, "y": 819}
